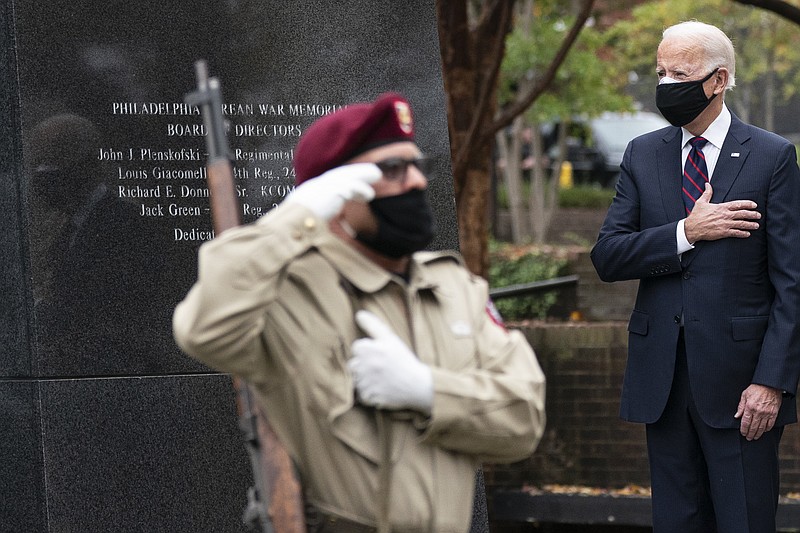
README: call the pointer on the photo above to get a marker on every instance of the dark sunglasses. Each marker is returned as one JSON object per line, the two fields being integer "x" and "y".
{"x": 396, "y": 168}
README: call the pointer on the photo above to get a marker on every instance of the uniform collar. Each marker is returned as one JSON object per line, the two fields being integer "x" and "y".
{"x": 365, "y": 275}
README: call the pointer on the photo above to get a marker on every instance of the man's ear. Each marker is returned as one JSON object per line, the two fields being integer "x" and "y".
{"x": 720, "y": 80}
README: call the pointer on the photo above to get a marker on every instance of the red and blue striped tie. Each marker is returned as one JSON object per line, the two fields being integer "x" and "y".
{"x": 695, "y": 173}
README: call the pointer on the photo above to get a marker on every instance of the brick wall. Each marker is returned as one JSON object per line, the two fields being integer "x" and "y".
{"x": 598, "y": 300}
{"x": 585, "y": 443}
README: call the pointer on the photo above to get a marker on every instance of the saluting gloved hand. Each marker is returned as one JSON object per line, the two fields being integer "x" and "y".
{"x": 326, "y": 194}
{"x": 386, "y": 372}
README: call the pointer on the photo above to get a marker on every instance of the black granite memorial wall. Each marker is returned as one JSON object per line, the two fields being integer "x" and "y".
{"x": 104, "y": 424}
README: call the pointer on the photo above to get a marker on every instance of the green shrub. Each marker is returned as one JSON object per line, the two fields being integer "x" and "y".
{"x": 510, "y": 265}
{"x": 585, "y": 196}
{"x": 502, "y": 194}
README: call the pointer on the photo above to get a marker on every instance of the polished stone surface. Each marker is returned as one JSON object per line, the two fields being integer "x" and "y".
{"x": 22, "y": 501}
{"x": 14, "y": 340}
{"x": 164, "y": 452}
{"x": 104, "y": 424}
{"x": 111, "y": 182}
{"x": 160, "y": 454}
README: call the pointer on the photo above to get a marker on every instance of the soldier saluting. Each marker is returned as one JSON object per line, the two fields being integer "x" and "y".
{"x": 377, "y": 364}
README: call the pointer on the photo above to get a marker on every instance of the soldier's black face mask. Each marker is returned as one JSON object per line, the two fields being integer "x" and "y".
{"x": 405, "y": 224}
{"x": 681, "y": 103}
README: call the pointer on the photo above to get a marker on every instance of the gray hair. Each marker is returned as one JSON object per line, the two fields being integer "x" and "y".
{"x": 716, "y": 46}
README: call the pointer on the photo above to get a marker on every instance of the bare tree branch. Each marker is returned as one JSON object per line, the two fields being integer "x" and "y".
{"x": 500, "y": 10}
{"x": 517, "y": 108}
{"x": 784, "y": 9}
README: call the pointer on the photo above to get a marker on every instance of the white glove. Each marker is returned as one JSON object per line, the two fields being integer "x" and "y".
{"x": 386, "y": 372}
{"x": 326, "y": 194}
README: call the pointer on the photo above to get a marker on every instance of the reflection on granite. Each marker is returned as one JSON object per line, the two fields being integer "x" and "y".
{"x": 113, "y": 159}
{"x": 103, "y": 283}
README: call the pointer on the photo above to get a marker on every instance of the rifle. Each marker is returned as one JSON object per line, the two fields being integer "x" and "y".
{"x": 274, "y": 503}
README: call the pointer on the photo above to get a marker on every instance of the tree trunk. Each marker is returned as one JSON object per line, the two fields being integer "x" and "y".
{"x": 536, "y": 199}
{"x": 543, "y": 201}
{"x": 472, "y": 57}
{"x": 510, "y": 153}
{"x": 472, "y": 52}
{"x": 769, "y": 92}
{"x": 473, "y": 213}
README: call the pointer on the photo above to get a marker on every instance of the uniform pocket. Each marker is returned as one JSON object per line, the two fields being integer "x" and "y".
{"x": 324, "y": 375}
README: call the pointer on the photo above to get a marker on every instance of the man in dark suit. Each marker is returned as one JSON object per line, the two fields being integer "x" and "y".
{"x": 711, "y": 228}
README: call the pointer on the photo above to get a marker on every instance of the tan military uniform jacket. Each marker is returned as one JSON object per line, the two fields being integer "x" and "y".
{"x": 274, "y": 304}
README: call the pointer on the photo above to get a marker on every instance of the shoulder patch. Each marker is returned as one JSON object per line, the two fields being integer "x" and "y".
{"x": 494, "y": 314}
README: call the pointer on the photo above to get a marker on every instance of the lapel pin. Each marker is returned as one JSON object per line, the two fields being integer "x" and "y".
{"x": 734, "y": 154}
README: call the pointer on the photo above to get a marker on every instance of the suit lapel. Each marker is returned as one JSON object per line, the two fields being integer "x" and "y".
{"x": 731, "y": 159}
{"x": 669, "y": 174}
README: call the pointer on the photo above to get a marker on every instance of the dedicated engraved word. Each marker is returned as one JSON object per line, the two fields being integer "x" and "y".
{"x": 194, "y": 234}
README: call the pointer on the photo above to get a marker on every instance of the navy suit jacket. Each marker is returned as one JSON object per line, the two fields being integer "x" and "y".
{"x": 739, "y": 298}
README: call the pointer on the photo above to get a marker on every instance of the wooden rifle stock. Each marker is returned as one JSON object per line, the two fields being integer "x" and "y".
{"x": 225, "y": 207}
{"x": 275, "y": 503}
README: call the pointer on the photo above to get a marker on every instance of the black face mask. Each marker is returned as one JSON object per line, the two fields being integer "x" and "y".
{"x": 681, "y": 103}
{"x": 405, "y": 224}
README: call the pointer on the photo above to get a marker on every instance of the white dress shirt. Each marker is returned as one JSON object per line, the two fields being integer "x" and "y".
{"x": 715, "y": 135}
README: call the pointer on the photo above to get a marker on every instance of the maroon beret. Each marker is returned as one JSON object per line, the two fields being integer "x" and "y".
{"x": 342, "y": 135}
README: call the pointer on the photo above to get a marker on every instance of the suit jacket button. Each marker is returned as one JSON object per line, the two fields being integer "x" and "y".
{"x": 677, "y": 319}
{"x": 686, "y": 275}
